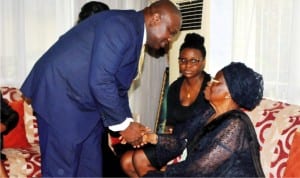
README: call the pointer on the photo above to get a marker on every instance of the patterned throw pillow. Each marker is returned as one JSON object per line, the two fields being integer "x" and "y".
{"x": 293, "y": 164}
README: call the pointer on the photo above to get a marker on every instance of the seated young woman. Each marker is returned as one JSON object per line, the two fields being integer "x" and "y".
{"x": 185, "y": 99}
{"x": 227, "y": 146}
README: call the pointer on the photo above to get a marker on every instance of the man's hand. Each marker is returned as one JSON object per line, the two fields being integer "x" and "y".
{"x": 133, "y": 134}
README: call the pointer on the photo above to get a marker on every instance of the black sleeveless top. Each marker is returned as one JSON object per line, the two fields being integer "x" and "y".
{"x": 177, "y": 113}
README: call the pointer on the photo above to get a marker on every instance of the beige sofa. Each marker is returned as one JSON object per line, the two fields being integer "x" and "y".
{"x": 275, "y": 122}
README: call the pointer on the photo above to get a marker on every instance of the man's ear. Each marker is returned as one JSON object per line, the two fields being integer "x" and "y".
{"x": 155, "y": 19}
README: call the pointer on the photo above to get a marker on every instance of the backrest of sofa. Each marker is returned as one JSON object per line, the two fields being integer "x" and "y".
{"x": 13, "y": 94}
{"x": 275, "y": 124}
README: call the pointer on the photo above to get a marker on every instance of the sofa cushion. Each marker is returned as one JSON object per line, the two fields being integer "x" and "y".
{"x": 31, "y": 126}
{"x": 23, "y": 162}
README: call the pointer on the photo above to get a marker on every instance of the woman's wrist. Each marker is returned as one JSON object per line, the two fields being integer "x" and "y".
{"x": 154, "y": 138}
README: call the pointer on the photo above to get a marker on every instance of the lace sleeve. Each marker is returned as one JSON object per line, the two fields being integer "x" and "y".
{"x": 205, "y": 159}
{"x": 169, "y": 147}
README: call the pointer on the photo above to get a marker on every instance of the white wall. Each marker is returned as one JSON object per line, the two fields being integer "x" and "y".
{"x": 117, "y": 4}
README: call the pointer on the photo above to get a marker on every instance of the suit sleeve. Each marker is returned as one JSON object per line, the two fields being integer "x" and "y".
{"x": 111, "y": 42}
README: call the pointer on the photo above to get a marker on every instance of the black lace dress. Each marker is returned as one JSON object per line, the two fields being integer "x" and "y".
{"x": 226, "y": 147}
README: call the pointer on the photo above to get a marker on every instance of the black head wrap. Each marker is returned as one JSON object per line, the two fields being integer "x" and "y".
{"x": 245, "y": 85}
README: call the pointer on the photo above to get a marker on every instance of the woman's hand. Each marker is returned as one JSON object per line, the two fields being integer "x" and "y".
{"x": 150, "y": 137}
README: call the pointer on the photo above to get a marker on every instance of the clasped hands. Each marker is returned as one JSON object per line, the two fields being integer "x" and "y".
{"x": 137, "y": 135}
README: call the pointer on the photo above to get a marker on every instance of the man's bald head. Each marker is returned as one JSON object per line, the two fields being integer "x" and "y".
{"x": 163, "y": 21}
{"x": 165, "y": 6}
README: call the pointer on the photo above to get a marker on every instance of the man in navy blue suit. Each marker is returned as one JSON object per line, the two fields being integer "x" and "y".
{"x": 79, "y": 86}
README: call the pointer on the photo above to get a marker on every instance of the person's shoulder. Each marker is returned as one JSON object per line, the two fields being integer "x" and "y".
{"x": 177, "y": 82}
{"x": 236, "y": 113}
{"x": 125, "y": 18}
{"x": 121, "y": 13}
{"x": 112, "y": 16}
{"x": 237, "y": 116}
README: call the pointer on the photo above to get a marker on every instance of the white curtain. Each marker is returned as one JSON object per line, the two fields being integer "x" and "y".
{"x": 266, "y": 37}
{"x": 145, "y": 94}
{"x": 30, "y": 27}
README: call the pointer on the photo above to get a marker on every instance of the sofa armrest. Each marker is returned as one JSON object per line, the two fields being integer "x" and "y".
{"x": 275, "y": 124}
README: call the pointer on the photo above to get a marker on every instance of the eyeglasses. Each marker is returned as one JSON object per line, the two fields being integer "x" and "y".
{"x": 186, "y": 61}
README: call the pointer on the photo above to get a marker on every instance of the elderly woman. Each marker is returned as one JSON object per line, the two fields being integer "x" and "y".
{"x": 227, "y": 145}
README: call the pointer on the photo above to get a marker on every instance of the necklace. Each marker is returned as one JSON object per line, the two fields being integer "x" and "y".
{"x": 191, "y": 88}
{"x": 188, "y": 95}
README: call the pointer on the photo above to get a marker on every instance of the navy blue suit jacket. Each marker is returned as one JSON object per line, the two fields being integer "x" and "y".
{"x": 86, "y": 74}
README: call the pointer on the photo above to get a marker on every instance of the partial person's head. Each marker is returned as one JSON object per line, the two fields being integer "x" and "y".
{"x": 163, "y": 22}
{"x": 192, "y": 55}
{"x": 91, "y": 8}
{"x": 236, "y": 84}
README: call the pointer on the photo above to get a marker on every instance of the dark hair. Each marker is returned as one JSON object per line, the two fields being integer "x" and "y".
{"x": 91, "y": 8}
{"x": 9, "y": 117}
{"x": 194, "y": 40}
